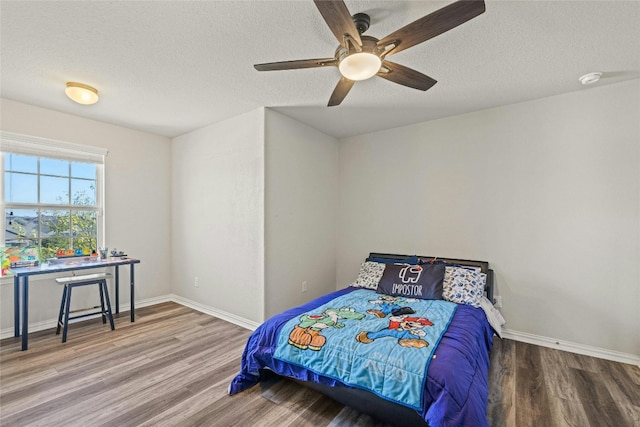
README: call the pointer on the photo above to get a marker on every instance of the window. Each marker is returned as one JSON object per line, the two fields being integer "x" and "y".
{"x": 52, "y": 198}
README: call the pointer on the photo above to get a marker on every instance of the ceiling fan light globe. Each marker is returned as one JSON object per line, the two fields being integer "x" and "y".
{"x": 360, "y": 66}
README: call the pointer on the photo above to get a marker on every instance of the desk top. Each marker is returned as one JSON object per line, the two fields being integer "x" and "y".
{"x": 71, "y": 265}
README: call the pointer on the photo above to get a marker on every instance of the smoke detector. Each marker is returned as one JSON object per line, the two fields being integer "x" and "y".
{"x": 591, "y": 78}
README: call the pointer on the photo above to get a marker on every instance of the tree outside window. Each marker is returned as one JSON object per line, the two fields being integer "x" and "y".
{"x": 49, "y": 205}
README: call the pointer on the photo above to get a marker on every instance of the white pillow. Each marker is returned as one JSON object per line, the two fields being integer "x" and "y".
{"x": 463, "y": 286}
{"x": 370, "y": 275}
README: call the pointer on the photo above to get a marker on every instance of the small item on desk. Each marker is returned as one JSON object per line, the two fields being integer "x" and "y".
{"x": 69, "y": 259}
{"x": 117, "y": 254}
{"x": 103, "y": 253}
{"x": 24, "y": 263}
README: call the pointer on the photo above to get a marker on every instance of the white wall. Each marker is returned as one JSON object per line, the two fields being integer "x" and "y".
{"x": 137, "y": 202}
{"x": 301, "y": 195}
{"x": 547, "y": 191}
{"x": 218, "y": 215}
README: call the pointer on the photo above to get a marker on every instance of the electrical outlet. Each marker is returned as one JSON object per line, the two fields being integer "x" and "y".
{"x": 196, "y": 282}
{"x": 497, "y": 302}
{"x": 304, "y": 286}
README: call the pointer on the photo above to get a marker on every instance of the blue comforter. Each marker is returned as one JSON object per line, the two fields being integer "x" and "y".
{"x": 455, "y": 391}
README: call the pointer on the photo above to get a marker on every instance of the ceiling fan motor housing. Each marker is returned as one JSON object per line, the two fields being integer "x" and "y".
{"x": 362, "y": 21}
{"x": 369, "y": 45}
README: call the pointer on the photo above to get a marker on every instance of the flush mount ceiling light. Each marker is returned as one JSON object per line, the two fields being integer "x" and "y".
{"x": 591, "y": 78}
{"x": 81, "y": 93}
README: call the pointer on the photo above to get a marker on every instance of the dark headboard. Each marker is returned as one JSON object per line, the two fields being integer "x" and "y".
{"x": 484, "y": 266}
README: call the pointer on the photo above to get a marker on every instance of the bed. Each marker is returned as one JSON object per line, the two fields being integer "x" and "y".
{"x": 407, "y": 345}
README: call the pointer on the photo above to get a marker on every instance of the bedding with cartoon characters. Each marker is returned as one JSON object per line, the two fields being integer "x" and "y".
{"x": 425, "y": 355}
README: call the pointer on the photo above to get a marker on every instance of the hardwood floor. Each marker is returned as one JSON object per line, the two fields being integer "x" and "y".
{"x": 173, "y": 365}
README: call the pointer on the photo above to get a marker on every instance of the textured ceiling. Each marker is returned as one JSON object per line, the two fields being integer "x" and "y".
{"x": 169, "y": 67}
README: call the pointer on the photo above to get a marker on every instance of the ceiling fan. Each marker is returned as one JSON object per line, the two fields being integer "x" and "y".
{"x": 359, "y": 57}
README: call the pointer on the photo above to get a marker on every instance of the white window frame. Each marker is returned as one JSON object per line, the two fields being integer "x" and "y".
{"x": 42, "y": 147}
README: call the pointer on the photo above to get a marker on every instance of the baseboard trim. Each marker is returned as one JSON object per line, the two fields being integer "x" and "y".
{"x": 569, "y": 346}
{"x": 572, "y": 347}
{"x": 221, "y": 314}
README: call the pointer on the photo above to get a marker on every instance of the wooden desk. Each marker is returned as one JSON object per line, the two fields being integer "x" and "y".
{"x": 21, "y": 286}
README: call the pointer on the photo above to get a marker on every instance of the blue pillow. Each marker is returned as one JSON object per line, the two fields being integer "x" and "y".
{"x": 413, "y": 259}
{"x": 412, "y": 281}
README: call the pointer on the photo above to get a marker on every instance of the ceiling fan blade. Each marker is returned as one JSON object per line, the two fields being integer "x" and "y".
{"x": 405, "y": 76}
{"x": 434, "y": 24}
{"x": 292, "y": 65}
{"x": 341, "y": 90}
{"x": 338, "y": 18}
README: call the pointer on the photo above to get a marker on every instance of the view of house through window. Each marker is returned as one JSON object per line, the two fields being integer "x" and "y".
{"x": 49, "y": 205}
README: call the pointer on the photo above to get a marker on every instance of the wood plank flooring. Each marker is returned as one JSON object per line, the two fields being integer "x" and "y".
{"x": 173, "y": 365}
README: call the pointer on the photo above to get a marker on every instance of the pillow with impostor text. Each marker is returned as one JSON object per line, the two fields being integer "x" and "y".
{"x": 412, "y": 281}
